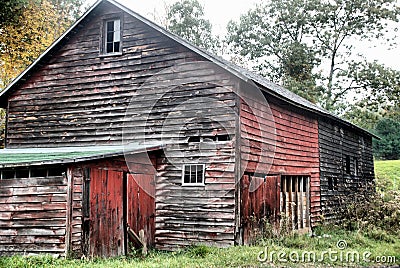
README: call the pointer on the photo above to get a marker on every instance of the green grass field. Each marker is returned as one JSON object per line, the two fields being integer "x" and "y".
{"x": 388, "y": 174}
{"x": 329, "y": 247}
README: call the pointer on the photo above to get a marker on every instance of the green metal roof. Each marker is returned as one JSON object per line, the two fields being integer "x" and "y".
{"x": 41, "y": 156}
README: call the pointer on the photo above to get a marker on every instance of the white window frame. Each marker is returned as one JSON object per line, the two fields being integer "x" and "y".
{"x": 116, "y": 37}
{"x": 202, "y": 183}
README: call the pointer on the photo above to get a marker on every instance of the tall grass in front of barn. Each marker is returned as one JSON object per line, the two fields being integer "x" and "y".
{"x": 371, "y": 227}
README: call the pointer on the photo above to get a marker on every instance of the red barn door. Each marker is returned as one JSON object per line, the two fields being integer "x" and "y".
{"x": 106, "y": 234}
{"x": 141, "y": 205}
{"x": 260, "y": 203}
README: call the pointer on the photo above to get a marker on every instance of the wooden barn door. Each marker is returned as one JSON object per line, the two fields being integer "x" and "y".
{"x": 141, "y": 205}
{"x": 260, "y": 203}
{"x": 106, "y": 231}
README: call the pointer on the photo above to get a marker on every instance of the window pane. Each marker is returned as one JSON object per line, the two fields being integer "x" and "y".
{"x": 109, "y": 47}
{"x": 38, "y": 172}
{"x": 193, "y": 174}
{"x": 117, "y": 36}
{"x": 22, "y": 173}
{"x": 199, "y": 175}
{"x": 117, "y": 25}
{"x": 110, "y": 37}
{"x": 8, "y": 174}
{"x": 116, "y": 47}
{"x": 110, "y": 26}
{"x": 186, "y": 178}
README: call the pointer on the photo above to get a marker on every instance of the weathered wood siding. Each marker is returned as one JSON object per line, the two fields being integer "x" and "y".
{"x": 79, "y": 96}
{"x": 190, "y": 118}
{"x": 33, "y": 213}
{"x": 77, "y": 179}
{"x": 336, "y": 143}
{"x": 279, "y": 139}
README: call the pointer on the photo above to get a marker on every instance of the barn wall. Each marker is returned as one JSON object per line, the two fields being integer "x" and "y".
{"x": 33, "y": 213}
{"x": 336, "y": 143}
{"x": 78, "y": 96}
{"x": 278, "y": 139}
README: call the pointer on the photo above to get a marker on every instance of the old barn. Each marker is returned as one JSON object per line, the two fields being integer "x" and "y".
{"x": 122, "y": 130}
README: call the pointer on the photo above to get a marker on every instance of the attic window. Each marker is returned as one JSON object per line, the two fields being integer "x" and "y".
{"x": 112, "y": 42}
{"x": 193, "y": 175}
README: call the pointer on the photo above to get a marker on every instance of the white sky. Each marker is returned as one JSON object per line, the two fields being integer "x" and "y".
{"x": 220, "y": 12}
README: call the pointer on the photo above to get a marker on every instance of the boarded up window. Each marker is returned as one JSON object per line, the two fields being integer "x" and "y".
{"x": 295, "y": 202}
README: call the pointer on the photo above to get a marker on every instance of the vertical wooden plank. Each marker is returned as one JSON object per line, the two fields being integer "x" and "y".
{"x": 290, "y": 184}
{"x": 245, "y": 209}
{"x": 301, "y": 206}
{"x": 284, "y": 195}
{"x": 69, "y": 209}
{"x": 308, "y": 202}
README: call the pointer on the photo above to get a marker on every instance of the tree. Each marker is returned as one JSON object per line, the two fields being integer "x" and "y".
{"x": 38, "y": 25}
{"x": 389, "y": 145}
{"x": 320, "y": 34}
{"x": 11, "y": 10}
{"x": 186, "y": 19}
{"x": 27, "y": 28}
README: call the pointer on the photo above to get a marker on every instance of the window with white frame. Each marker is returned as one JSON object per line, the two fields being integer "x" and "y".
{"x": 193, "y": 174}
{"x": 112, "y": 42}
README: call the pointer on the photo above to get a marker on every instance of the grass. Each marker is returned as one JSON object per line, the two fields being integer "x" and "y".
{"x": 388, "y": 175}
{"x": 374, "y": 242}
{"x": 290, "y": 248}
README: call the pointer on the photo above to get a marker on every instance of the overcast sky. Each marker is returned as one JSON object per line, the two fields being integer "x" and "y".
{"x": 220, "y": 12}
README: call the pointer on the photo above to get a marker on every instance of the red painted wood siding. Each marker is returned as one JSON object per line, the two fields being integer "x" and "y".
{"x": 295, "y": 145}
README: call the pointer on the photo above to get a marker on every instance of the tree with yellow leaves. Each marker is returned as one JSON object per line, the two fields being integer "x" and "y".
{"x": 27, "y": 28}
{"x": 37, "y": 26}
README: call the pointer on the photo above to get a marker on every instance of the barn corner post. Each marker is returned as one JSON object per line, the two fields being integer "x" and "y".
{"x": 239, "y": 240}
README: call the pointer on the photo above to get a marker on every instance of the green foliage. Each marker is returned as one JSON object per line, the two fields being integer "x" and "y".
{"x": 10, "y": 11}
{"x": 388, "y": 176}
{"x": 389, "y": 145}
{"x": 273, "y": 37}
{"x": 293, "y": 40}
{"x": 186, "y": 19}
{"x": 38, "y": 25}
